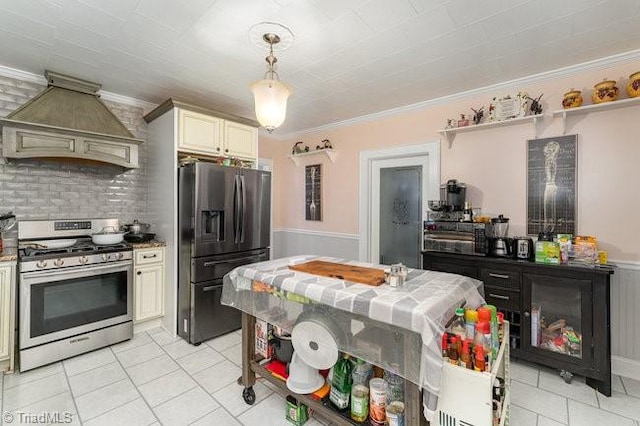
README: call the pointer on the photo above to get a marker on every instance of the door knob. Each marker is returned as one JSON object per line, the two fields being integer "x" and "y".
{"x": 139, "y": 273}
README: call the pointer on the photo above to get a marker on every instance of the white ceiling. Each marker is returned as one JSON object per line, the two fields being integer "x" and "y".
{"x": 349, "y": 58}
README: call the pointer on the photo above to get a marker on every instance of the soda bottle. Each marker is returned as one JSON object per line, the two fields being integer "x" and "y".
{"x": 341, "y": 384}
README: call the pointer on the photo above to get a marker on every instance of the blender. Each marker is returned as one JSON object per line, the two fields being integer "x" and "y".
{"x": 499, "y": 244}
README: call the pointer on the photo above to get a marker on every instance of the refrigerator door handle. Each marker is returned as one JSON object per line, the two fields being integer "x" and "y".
{"x": 244, "y": 207}
{"x": 236, "y": 210}
{"x": 237, "y": 260}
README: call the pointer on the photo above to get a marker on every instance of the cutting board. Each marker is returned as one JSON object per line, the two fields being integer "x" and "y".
{"x": 356, "y": 274}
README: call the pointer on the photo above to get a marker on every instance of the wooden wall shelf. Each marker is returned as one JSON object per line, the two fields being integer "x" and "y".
{"x": 450, "y": 134}
{"x": 330, "y": 153}
{"x": 605, "y": 106}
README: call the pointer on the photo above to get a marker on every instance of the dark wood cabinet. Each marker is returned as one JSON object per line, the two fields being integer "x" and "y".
{"x": 540, "y": 299}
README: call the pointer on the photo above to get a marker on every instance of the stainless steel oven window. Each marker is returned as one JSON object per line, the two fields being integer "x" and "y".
{"x": 59, "y": 304}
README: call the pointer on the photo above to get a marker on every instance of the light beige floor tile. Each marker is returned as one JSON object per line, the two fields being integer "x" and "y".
{"x": 162, "y": 336}
{"x": 181, "y": 348}
{"x": 60, "y": 406}
{"x": 200, "y": 360}
{"x": 218, "y": 417}
{"x": 577, "y": 389}
{"x": 540, "y": 401}
{"x": 138, "y": 339}
{"x": 522, "y": 417}
{"x": 166, "y": 387}
{"x": 35, "y": 391}
{"x": 150, "y": 370}
{"x": 17, "y": 378}
{"x": 270, "y": 411}
{"x": 105, "y": 399}
{"x": 218, "y": 376}
{"x": 545, "y": 421}
{"x": 85, "y": 362}
{"x": 134, "y": 413}
{"x": 96, "y": 378}
{"x": 230, "y": 397}
{"x": 225, "y": 341}
{"x": 186, "y": 408}
{"x": 619, "y": 403}
{"x": 524, "y": 373}
{"x": 616, "y": 384}
{"x": 139, "y": 354}
{"x": 234, "y": 354}
{"x": 631, "y": 386}
{"x": 585, "y": 415}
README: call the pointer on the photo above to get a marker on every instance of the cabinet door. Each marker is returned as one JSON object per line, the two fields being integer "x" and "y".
{"x": 557, "y": 320}
{"x": 149, "y": 292}
{"x": 240, "y": 140}
{"x": 199, "y": 133}
{"x": 5, "y": 312}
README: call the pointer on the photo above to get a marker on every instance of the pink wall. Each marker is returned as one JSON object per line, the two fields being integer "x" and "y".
{"x": 492, "y": 162}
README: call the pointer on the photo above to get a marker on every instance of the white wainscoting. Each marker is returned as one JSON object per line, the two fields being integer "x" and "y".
{"x": 625, "y": 320}
{"x": 292, "y": 242}
{"x": 625, "y": 289}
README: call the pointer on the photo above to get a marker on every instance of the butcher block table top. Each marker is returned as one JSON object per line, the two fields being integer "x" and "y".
{"x": 341, "y": 271}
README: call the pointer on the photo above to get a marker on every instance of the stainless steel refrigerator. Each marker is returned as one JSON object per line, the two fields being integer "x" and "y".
{"x": 224, "y": 222}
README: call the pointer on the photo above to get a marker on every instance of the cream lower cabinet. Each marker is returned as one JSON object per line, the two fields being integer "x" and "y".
{"x": 7, "y": 314}
{"x": 148, "y": 283}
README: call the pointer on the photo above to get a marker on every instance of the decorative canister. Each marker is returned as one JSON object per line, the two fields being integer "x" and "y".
{"x": 605, "y": 91}
{"x": 633, "y": 87}
{"x": 572, "y": 99}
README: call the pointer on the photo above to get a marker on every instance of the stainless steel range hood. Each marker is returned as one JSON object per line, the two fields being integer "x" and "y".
{"x": 68, "y": 120}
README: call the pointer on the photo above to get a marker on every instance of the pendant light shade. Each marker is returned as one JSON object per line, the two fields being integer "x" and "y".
{"x": 271, "y": 102}
{"x": 270, "y": 93}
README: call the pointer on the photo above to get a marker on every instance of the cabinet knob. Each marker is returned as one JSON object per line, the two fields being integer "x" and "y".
{"x": 527, "y": 314}
{"x": 139, "y": 273}
{"x": 226, "y": 150}
{"x": 218, "y": 148}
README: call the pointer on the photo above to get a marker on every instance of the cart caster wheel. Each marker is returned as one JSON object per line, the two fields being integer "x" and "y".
{"x": 249, "y": 395}
{"x": 197, "y": 344}
{"x": 566, "y": 376}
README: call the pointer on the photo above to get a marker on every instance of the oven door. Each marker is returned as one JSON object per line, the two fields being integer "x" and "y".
{"x": 58, "y": 304}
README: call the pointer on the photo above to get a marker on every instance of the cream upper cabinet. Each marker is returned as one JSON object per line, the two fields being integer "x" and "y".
{"x": 200, "y": 133}
{"x": 148, "y": 283}
{"x": 7, "y": 313}
{"x": 205, "y": 134}
{"x": 241, "y": 140}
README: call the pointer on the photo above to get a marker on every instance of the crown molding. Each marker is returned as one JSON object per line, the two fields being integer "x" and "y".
{"x": 108, "y": 96}
{"x": 595, "y": 64}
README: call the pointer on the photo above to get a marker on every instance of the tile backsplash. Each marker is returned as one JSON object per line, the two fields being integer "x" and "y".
{"x": 65, "y": 189}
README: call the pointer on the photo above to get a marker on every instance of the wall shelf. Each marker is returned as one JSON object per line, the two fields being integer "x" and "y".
{"x": 329, "y": 152}
{"x": 605, "y": 106}
{"x": 450, "y": 134}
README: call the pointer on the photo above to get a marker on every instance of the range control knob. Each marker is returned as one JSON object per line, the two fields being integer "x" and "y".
{"x": 106, "y": 257}
{"x": 58, "y": 262}
{"x": 83, "y": 260}
{"x": 41, "y": 264}
{"x": 120, "y": 255}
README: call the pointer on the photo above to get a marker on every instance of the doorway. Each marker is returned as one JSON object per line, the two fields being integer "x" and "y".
{"x": 389, "y": 181}
{"x": 400, "y": 215}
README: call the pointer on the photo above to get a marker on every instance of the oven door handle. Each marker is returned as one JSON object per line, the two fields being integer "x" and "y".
{"x": 68, "y": 273}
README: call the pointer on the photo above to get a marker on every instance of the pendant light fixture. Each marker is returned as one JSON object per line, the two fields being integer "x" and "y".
{"x": 270, "y": 93}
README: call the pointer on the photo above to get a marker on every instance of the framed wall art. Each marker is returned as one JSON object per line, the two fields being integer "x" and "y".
{"x": 551, "y": 185}
{"x": 313, "y": 192}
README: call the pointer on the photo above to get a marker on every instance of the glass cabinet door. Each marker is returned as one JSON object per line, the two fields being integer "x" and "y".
{"x": 558, "y": 317}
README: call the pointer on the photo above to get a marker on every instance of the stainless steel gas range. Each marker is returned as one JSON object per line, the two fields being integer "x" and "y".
{"x": 75, "y": 296}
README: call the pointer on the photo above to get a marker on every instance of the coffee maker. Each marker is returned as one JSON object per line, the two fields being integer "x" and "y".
{"x": 454, "y": 194}
{"x": 499, "y": 244}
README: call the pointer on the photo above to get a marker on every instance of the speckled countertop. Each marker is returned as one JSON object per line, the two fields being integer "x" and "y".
{"x": 148, "y": 244}
{"x": 9, "y": 254}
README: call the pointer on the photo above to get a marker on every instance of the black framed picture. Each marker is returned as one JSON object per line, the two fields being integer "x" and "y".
{"x": 552, "y": 185}
{"x": 313, "y": 192}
